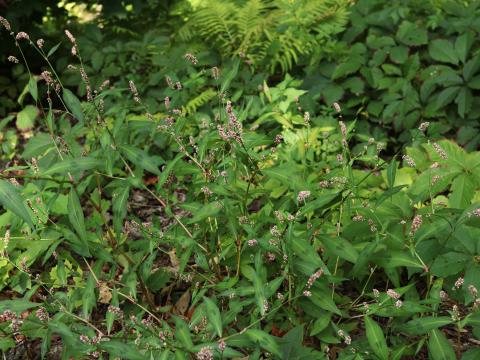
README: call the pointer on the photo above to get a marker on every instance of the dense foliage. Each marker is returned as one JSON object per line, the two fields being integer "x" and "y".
{"x": 241, "y": 179}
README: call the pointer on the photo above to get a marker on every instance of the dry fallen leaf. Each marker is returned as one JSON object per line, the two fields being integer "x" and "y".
{"x": 105, "y": 295}
{"x": 182, "y": 304}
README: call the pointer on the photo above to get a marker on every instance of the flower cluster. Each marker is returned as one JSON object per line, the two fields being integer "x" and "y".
{"x": 416, "y": 223}
{"x": 233, "y": 129}
{"x": 409, "y": 161}
{"x": 303, "y": 195}
{"x": 190, "y": 57}
{"x": 440, "y": 151}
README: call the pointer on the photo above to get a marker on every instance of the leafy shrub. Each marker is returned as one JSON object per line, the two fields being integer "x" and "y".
{"x": 406, "y": 62}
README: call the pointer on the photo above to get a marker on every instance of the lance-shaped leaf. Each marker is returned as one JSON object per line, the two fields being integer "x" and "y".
{"x": 11, "y": 200}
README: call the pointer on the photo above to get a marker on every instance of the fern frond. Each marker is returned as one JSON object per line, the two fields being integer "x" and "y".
{"x": 274, "y": 33}
{"x": 203, "y": 98}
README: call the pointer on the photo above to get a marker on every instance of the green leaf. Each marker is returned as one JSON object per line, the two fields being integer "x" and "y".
{"x": 474, "y": 83}
{"x": 439, "y": 347}
{"x": 411, "y": 34}
{"x": 89, "y": 300}
{"x": 227, "y": 79}
{"x": 321, "y": 323}
{"x": 340, "y": 247}
{"x": 75, "y": 215}
{"x": 73, "y": 104}
{"x": 17, "y": 306}
{"x": 442, "y": 50}
{"x": 37, "y": 145}
{"x": 207, "y": 210}
{"x": 142, "y": 159}
{"x": 74, "y": 165}
{"x": 182, "y": 333}
{"x": 32, "y": 88}
{"x": 471, "y": 354}
{"x": 448, "y": 264}
{"x": 464, "y": 101}
{"x": 425, "y": 324}
{"x": 463, "y": 189}
{"x": 110, "y": 316}
{"x": 324, "y": 302}
{"x": 213, "y": 315}
{"x": 26, "y": 117}
{"x": 400, "y": 259}
{"x": 446, "y": 96}
{"x": 391, "y": 172}
{"x": 121, "y": 350}
{"x": 471, "y": 68}
{"x": 376, "y": 338}
{"x": 291, "y": 345}
{"x": 265, "y": 341}
{"x": 345, "y": 69}
{"x": 119, "y": 207}
{"x": 11, "y": 200}
{"x": 463, "y": 44}
{"x": 322, "y": 201}
{"x": 53, "y": 49}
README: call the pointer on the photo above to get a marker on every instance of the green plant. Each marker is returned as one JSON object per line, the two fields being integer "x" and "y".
{"x": 267, "y": 34}
{"x": 227, "y": 226}
{"x": 406, "y": 63}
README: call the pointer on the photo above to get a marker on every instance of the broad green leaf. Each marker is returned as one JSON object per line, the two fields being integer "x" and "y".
{"x": 471, "y": 68}
{"x": 37, "y": 146}
{"x": 463, "y": 188}
{"x": 439, "y": 347}
{"x": 376, "y": 338}
{"x": 411, "y": 34}
{"x": 141, "y": 158}
{"x": 227, "y": 79}
{"x": 259, "y": 293}
{"x": 321, "y": 323}
{"x": 75, "y": 215}
{"x": 464, "y": 101}
{"x": 463, "y": 44}
{"x": 400, "y": 259}
{"x": 17, "y": 306}
{"x": 322, "y": 201}
{"x": 74, "y": 165}
{"x": 391, "y": 172}
{"x": 11, "y": 200}
{"x": 26, "y": 117}
{"x": 207, "y": 210}
{"x": 346, "y": 68}
{"x": 89, "y": 300}
{"x": 291, "y": 345}
{"x": 32, "y": 88}
{"x": 324, "y": 302}
{"x": 119, "y": 206}
{"x": 73, "y": 104}
{"x": 340, "y": 247}
{"x": 443, "y": 50}
{"x": 425, "y": 324}
{"x": 182, "y": 333}
{"x": 471, "y": 354}
{"x": 265, "y": 341}
{"x": 446, "y": 97}
{"x": 110, "y": 316}
{"x": 474, "y": 83}
{"x": 166, "y": 172}
{"x": 121, "y": 350}
{"x": 448, "y": 264}
{"x": 213, "y": 315}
